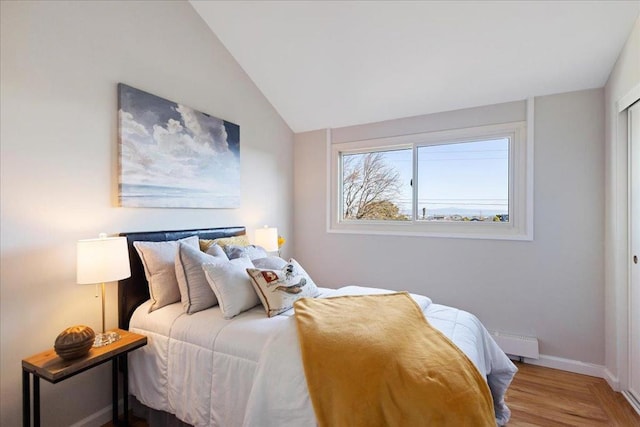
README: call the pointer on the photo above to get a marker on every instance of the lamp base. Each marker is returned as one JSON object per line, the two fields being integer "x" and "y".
{"x": 105, "y": 338}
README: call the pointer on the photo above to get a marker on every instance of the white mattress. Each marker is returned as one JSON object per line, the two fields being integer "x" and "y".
{"x": 247, "y": 371}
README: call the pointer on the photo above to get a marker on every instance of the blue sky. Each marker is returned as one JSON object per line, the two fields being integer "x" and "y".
{"x": 468, "y": 175}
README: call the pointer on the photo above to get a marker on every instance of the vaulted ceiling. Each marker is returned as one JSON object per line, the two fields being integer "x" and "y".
{"x": 337, "y": 63}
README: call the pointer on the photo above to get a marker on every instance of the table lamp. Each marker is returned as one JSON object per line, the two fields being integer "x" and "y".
{"x": 267, "y": 237}
{"x": 105, "y": 259}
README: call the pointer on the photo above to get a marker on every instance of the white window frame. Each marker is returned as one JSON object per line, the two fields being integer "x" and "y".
{"x": 520, "y": 224}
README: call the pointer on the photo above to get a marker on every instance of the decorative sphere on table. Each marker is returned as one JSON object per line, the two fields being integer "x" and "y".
{"x": 74, "y": 342}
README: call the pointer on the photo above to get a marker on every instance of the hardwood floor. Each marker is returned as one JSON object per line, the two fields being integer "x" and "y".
{"x": 133, "y": 422}
{"x": 548, "y": 397}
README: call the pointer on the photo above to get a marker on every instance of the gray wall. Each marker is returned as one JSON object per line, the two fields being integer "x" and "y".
{"x": 60, "y": 63}
{"x": 551, "y": 287}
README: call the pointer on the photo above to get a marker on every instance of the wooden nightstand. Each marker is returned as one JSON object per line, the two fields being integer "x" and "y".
{"x": 48, "y": 366}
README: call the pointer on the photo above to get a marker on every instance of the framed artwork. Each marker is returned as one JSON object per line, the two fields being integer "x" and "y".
{"x": 172, "y": 156}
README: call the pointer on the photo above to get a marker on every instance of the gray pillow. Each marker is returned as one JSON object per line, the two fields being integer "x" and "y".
{"x": 158, "y": 260}
{"x": 195, "y": 292}
{"x": 250, "y": 251}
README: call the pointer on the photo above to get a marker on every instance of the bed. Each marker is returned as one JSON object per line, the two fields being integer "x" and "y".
{"x": 246, "y": 371}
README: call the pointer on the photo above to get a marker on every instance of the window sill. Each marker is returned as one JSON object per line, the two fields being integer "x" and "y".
{"x": 487, "y": 231}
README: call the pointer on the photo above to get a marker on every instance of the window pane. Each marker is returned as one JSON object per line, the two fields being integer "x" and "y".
{"x": 464, "y": 181}
{"x": 377, "y": 185}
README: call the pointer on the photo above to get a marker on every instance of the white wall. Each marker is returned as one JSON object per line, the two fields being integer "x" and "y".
{"x": 623, "y": 80}
{"x": 60, "y": 63}
{"x": 551, "y": 287}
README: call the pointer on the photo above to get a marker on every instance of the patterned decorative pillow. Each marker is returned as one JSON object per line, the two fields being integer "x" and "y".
{"x": 279, "y": 289}
{"x": 158, "y": 259}
{"x": 232, "y": 286}
{"x": 241, "y": 240}
{"x": 250, "y": 251}
{"x": 195, "y": 292}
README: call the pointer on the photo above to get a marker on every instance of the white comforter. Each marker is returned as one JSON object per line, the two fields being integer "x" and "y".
{"x": 247, "y": 371}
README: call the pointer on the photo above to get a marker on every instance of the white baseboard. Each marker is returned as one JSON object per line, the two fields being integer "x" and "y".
{"x": 632, "y": 401}
{"x": 568, "y": 365}
{"x": 99, "y": 418}
{"x": 612, "y": 380}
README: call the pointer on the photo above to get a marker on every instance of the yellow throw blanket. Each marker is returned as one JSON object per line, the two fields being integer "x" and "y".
{"x": 374, "y": 360}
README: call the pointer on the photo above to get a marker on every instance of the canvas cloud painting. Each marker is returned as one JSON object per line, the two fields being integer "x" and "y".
{"x": 174, "y": 156}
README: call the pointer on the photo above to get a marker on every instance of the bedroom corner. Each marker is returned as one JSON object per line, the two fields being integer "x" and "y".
{"x": 61, "y": 62}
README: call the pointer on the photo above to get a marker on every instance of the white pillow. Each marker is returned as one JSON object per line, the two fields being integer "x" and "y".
{"x": 195, "y": 292}
{"x": 216, "y": 251}
{"x": 270, "y": 262}
{"x": 232, "y": 285}
{"x": 279, "y": 289}
{"x": 158, "y": 259}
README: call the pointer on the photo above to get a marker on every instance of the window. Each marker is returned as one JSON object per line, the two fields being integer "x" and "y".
{"x": 465, "y": 181}
{"x": 376, "y": 185}
{"x": 461, "y": 183}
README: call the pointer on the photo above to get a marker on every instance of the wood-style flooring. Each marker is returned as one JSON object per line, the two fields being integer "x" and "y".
{"x": 548, "y": 397}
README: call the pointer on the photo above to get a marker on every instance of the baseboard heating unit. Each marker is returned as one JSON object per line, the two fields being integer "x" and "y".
{"x": 518, "y": 346}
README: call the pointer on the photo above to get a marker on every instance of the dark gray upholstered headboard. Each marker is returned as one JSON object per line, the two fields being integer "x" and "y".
{"x": 135, "y": 290}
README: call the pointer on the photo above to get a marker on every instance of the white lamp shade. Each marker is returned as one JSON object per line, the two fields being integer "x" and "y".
{"x": 102, "y": 260}
{"x": 267, "y": 237}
